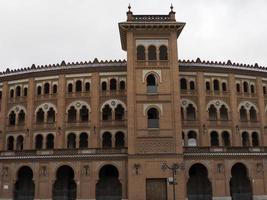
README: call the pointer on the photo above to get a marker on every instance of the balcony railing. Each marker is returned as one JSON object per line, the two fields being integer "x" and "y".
{"x": 152, "y": 89}
{"x": 225, "y": 149}
{"x": 77, "y": 94}
{"x": 63, "y": 152}
{"x": 44, "y": 126}
{"x": 46, "y": 96}
{"x": 111, "y": 123}
{"x": 77, "y": 124}
{"x": 18, "y": 127}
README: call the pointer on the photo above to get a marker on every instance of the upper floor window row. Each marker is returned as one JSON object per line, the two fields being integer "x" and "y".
{"x": 186, "y": 84}
{"x": 113, "y": 84}
{"x": 18, "y": 91}
{"x": 245, "y": 87}
{"x": 46, "y": 88}
{"x": 152, "y": 52}
{"x": 216, "y": 85}
{"x": 78, "y": 86}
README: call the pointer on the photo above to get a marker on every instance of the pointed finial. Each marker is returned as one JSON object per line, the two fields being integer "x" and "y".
{"x": 171, "y": 8}
{"x": 129, "y": 7}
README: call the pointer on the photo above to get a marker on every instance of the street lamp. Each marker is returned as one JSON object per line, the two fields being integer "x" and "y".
{"x": 174, "y": 168}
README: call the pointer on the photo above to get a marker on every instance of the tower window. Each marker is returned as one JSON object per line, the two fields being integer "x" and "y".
{"x": 163, "y": 53}
{"x": 141, "y": 55}
{"x": 152, "y": 53}
{"x": 151, "y": 84}
{"x": 153, "y": 118}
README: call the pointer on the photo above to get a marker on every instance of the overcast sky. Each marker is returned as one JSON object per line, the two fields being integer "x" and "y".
{"x": 49, "y": 31}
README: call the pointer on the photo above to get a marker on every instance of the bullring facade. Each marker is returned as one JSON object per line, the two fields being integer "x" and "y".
{"x": 110, "y": 129}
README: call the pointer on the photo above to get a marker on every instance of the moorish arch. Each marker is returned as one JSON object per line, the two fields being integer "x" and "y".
{"x": 45, "y": 107}
{"x": 240, "y": 184}
{"x": 24, "y": 186}
{"x": 64, "y": 186}
{"x": 247, "y": 105}
{"x": 78, "y": 105}
{"x": 217, "y": 104}
{"x": 108, "y": 185}
{"x": 113, "y": 103}
{"x": 198, "y": 185}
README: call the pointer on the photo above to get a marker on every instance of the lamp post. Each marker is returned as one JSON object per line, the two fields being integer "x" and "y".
{"x": 174, "y": 168}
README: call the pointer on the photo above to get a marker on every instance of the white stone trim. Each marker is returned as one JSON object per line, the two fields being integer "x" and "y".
{"x": 147, "y": 106}
{"x": 147, "y": 42}
{"x": 78, "y": 105}
{"x": 247, "y": 105}
{"x": 46, "y": 107}
{"x": 218, "y": 104}
{"x": 245, "y": 77}
{"x": 156, "y": 72}
{"x": 259, "y": 197}
{"x": 113, "y": 103}
{"x": 18, "y": 81}
{"x": 78, "y": 75}
{"x": 112, "y": 73}
{"x": 186, "y": 102}
{"x": 216, "y": 74}
{"x": 46, "y": 78}
{"x": 188, "y": 73}
{"x": 17, "y": 109}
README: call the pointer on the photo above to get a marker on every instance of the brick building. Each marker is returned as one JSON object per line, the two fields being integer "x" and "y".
{"x": 112, "y": 129}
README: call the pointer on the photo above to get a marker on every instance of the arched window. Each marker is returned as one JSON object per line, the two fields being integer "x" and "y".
{"x": 25, "y": 92}
{"x": 183, "y": 84}
{"x": 192, "y": 85}
{"x": 21, "y": 117}
{"x": 151, "y": 84}
{"x": 113, "y": 84}
{"x": 119, "y": 140}
{"x": 78, "y": 86}
{"x": 255, "y": 139}
{"x": 106, "y": 140}
{"x": 11, "y": 93}
{"x": 216, "y": 86}
{"x": 226, "y": 139}
{"x": 38, "y": 141}
{"x": 122, "y": 85}
{"x": 152, "y": 53}
{"x": 40, "y": 116}
{"x": 212, "y": 113}
{"x": 224, "y": 87}
{"x": 87, "y": 86}
{"x": 10, "y": 143}
{"x": 71, "y": 141}
{"x": 119, "y": 112}
{"x": 70, "y": 87}
{"x": 141, "y": 55}
{"x": 207, "y": 86}
{"x": 19, "y": 143}
{"x": 253, "y": 114}
{"x": 245, "y": 86}
{"x": 107, "y": 113}
{"x": 104, "y": 86}
{"x": 39, "y": 90}
{"x": 243, "y": 114}
{"x": 252, "y": 89}
{"x": 238, "y": 87}
{"x": 153, "y": 118}
{"x": 50, "y": 141}
{"x": 12, "y": 118}
{"x": 245, "y": 139}
{"x": 51, "y": 115}
{"x": 214, "y": 139}
{"x": 84, "y": 114}
{"x": 54, "y": 89}
{"x": 163, "y": 53}
{"x": 46, "y": 88}
{"x": 191, "y": 112}
{"x": 192, "y": 139}
{"x": 223, "y": 113}
{"x": 18, "y": 91}
{"x": 182, "y": 113}
{"x": 72, "y": 114}
{"x": 83, "y": 143}
{"x": 264, "y": 90}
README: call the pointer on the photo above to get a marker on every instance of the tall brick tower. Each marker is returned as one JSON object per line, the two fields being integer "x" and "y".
{"x": 153, "y": 103}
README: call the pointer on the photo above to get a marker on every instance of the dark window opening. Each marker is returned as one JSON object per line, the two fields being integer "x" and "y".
{"x": 106, "y": 140}
{"x": 113, "y": 84}
{"x": 163, "y": 53}
{"x": 106, "y": 113}
{"x": 72, "y": 114}
{"x": 119, "y": 112}
{"x": 153, "y": 118}
{"x": 78, "y": 86}
{"x": 84, "y": 114}
{"x": 152, "y": 53}
{"x": 83, "y": 143}
{"x": 141, "y": 54}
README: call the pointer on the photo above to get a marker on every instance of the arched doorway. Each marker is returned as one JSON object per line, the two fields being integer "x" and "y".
{"x": 108, "y": 186}
{"x": 24, "y": 186}
{"x": 199, "y": 185}
{"x": 240, "y": 185}
{"x": 64, "y": 187}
